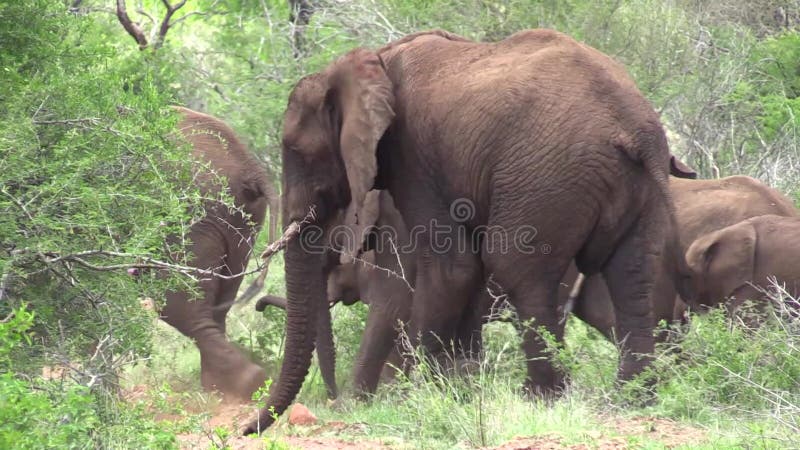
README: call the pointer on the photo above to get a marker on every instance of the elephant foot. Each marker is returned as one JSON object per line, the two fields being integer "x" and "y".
{"x": 547, "y": 392}
{"x": 236, "y": 382}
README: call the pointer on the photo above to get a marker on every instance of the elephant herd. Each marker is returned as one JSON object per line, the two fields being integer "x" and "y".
{"x": 431, "y": 175}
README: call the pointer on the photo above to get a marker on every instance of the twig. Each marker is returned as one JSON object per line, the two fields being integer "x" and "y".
{"x": 195, "y": 13}
{"x": 291, "y": 232}
{"x": 400, "y": 265}
{"x": 89, "y": 120}
{"x": 143, "y": 262}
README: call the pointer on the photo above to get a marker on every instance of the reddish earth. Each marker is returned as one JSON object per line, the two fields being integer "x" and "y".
{"x": 314, "y": 437}
{"x": 617, "y": 433}
{"x": 629, "y": 433}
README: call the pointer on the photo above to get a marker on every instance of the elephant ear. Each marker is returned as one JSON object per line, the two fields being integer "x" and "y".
{"x": 677, "y": 168}
{"x": 363, "y": 100}
{"x": 367, "y": 217}
{"x": 722, "y": 261}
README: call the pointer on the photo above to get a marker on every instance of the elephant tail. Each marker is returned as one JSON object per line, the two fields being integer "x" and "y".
{"x": 652, "y": 150}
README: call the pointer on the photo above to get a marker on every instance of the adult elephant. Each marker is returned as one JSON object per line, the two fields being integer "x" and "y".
{"x": 701, "y": 207}
{"x": 538, "y": 136}
{"x": 222, "y": 242}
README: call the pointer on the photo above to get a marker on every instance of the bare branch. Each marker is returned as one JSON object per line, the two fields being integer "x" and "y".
{"x": 195, "y": 13}
{"x": 132, "y": 29}
{"x": 85, "y": 120}
{"x": 140, "y": 262}
{"x": 84, "y": 123}
{"x": 400, "y": 265}
{"x": 291, "y": 232}
{"x": 165, "y": 23}
{"x": 146, "y": 14}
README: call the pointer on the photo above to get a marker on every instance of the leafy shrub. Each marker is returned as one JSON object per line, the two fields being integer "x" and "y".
{"x": 59, "y": 413}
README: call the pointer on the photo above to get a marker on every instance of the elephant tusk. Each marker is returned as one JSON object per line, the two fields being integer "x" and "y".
{"x": 577, "y": 287}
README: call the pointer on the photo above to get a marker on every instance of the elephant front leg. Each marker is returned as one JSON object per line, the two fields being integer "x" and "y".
{"x": 445, "y": 285}
{"x": 326, "y": 352}
{"x": 223, "y": 367}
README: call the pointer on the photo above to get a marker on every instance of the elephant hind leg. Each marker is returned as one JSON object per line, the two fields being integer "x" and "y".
{"x": 532, "y": 282}
{"x": 536, "y": 306}
{"x": 630, "y": 277}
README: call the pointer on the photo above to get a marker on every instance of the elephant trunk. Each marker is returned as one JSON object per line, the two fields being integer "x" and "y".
{"x": 306, "y": 297}
{"x": 271, "y": 300}
{"x": 326, "y": 352}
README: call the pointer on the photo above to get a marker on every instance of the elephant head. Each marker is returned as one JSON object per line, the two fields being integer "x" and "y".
{"x": 345, "y": 280}
{"x": 721, "y": 262}
{"x": 332, "y": 126}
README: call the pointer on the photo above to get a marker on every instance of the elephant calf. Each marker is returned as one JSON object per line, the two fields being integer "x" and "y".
{"x": 701, "y": 207}
{"x": 221, "y": 241}
{"x": 737, "y": 262}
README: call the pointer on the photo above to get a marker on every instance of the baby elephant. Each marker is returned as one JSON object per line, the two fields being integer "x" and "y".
{"x": 736, "y": 262}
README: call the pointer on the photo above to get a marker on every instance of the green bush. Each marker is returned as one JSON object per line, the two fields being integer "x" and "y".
{"x": 58, "y": 413}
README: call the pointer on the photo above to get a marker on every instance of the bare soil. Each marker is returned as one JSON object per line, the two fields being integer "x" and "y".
{"x": 222, "y": 428}
{"x": 625, "y": 434}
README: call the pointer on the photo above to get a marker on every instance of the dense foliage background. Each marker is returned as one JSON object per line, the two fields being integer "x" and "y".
{"x": 90, "y": 164}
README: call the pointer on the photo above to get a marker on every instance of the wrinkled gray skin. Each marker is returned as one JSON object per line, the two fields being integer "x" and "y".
{"x": 735, "y": 263}
{"x": 702, "y": 206}
{"x": 222, "y": 241}
{"x": 534, "y": 130}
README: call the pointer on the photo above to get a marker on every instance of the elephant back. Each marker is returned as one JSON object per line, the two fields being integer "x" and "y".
{"x": 216, "y": 144}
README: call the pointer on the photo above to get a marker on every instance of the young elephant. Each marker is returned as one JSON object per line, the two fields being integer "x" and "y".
{"x": 737, "y": 262}
{"x": 221, "y": 241}
{"x": 702, "y": 206}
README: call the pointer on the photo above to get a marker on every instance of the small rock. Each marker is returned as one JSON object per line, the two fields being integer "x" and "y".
{"x": 147, "y": 303}
{"x": 300, "y": 415}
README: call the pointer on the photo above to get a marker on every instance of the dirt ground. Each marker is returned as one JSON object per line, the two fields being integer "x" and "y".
{"x": 226, "y": 420}
{"x": 628, "y": 433}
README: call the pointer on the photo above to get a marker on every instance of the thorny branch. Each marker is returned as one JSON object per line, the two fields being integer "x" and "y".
{"x": 291, "y": 232}
{"x": 84, "y": 123}
{"x": 141, "y": 262}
